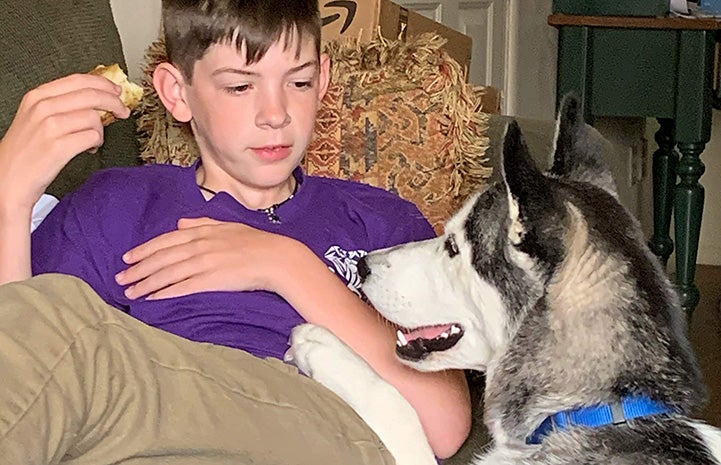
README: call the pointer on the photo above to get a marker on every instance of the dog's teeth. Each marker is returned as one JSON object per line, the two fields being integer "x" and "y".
{"x": 401, "y": 339}
{"x": 444, "y": 335}
{"x": 455, "y": 329}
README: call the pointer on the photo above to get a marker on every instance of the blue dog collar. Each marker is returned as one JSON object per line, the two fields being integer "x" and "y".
{"x": 600, "y": 415}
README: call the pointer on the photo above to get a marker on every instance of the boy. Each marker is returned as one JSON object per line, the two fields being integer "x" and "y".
{"x": 248, "y": 76}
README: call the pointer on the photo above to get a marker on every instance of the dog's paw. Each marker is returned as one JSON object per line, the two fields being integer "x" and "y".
{"x": 318, "y": 353}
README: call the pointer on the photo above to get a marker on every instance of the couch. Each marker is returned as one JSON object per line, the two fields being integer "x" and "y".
{"x": 46, "y": 39}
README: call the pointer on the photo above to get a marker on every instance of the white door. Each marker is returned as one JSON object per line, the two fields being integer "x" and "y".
{"x": 514, "y": 49}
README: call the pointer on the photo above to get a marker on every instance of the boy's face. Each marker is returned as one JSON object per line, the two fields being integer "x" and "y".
{"x": 254, "y": 122}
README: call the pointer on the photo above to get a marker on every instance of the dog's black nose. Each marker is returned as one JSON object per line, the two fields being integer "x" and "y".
{"x": 363, "y": 269}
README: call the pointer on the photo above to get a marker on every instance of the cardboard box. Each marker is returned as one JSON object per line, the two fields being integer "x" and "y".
{"x": 363, "y": 18}
{"x": 491, "y": 100}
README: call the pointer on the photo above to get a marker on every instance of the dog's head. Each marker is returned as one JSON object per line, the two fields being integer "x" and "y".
{"x": 544, "y": 282}
{"x": 461, "y": 296}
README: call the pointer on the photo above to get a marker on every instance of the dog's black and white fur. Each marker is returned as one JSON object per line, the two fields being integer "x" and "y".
{"x": 543, "y": 282}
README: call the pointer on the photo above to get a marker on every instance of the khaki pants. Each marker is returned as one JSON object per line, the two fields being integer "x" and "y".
{"x": 83, "y": 383}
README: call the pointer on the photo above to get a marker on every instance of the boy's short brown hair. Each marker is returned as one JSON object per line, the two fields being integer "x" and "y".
{"x": 193, "y": 26}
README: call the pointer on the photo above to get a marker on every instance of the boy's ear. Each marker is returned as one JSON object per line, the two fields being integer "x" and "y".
{"x": 324, "y": 75}
{"x": 169, "y": 83}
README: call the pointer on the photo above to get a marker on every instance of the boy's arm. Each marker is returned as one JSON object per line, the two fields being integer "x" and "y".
{"x": 209, "y": 255}
{"x": 441, "y": 399}
{"x": 14, "y": 244}
{"x": 15, "y": 241}
{"x": 53, "y": 124}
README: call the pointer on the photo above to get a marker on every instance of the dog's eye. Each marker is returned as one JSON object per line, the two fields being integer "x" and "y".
{"x": 451, "y": 246}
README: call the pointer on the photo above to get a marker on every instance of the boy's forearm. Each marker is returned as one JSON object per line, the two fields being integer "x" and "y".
{"x": 441, "y": 399}
{"x": 15, "y": 262}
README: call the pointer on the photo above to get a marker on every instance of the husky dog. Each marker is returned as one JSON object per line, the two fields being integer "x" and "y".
{"x": 543, "y": 282}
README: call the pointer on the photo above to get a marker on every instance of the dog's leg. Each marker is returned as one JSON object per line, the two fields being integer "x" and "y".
{"x": 321, "y": 355}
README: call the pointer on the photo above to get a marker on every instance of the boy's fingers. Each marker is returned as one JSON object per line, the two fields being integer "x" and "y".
{"x": 83, "y": 99}
{"x": 185, "y": 223}
{"x": 74, "y": 132}
{"x": 78, "y": 142}
{"x": 179, "y": 289}
{"x": 72, "y": 83}
{"x": 164, "y": 282}
{"x": 155, "y": 245}
{"x": 194, "y": 229}
{"x": 61, "y": 124}
{"x": 143, "y": 269}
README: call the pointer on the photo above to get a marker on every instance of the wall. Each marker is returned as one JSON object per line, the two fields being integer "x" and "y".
{"x": 138, "y": 22}
{"x": 532, "y": 60}
{"x": 710, "y": 246}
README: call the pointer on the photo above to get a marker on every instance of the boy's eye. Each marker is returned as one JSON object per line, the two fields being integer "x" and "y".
{"x": 303, "y": 84}
{"x": 235, "y": 90}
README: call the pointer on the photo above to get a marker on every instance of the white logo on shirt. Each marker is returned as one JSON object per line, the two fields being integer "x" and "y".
{"x": 346, "y": 265}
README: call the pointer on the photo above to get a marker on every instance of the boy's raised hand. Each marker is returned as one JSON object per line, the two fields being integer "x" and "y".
{"x": 204, "y": 255}
{"x": 54, "y": 123}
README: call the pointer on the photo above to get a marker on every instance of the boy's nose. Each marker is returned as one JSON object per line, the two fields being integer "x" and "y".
{"x": 273, "y": 113}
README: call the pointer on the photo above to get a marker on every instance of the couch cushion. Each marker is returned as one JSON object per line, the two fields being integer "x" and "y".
{"x": 400, "y": 116}
{"x": 42, "y": 40}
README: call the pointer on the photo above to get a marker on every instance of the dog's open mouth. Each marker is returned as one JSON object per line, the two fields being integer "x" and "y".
{"x": 416, "y": 344}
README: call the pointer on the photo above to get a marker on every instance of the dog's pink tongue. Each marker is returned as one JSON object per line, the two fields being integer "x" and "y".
{"x": 428, "y": 332}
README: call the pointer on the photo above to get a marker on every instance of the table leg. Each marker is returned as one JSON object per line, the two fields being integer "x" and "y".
{"x": 664, "y": 180}
{"x": 688, "y": 208}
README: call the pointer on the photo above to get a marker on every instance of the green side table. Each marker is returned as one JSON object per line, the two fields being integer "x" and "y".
{"x": 651, "y": 67}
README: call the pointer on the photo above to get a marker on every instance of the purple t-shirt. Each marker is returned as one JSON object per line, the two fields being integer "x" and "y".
{"x": 120, "y": 208}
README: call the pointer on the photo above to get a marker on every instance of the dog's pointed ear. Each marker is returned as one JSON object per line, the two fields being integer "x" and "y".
{"x": 529, "y": 192}
{"x": 534, "y": 214}
{"x": 524, "y": 180}
{"x": 580, "y": 149}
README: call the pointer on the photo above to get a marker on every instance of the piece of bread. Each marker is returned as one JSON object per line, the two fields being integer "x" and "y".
{"x": 132, "y": 93}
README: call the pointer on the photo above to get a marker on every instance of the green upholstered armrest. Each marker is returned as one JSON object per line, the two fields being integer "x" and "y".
{"x": 46, "y": 39}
